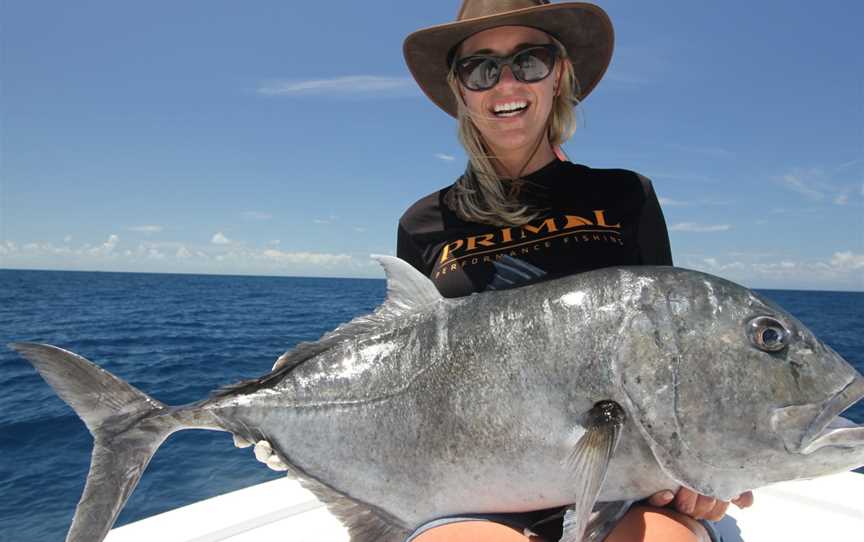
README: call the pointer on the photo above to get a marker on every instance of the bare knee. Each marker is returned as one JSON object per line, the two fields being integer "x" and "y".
{"x": 473, "y": 531}
{"x": 648, "y": 524}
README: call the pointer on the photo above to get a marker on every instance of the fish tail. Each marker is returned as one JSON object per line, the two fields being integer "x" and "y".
{"x": 115, "y": 412}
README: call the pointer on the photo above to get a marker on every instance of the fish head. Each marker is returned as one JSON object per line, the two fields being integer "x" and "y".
{"x": 730, "y": 391}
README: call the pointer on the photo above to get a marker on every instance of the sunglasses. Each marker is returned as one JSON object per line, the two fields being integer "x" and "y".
{"x": 530, "y": 65}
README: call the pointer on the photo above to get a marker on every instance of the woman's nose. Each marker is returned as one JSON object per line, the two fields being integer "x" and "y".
{"x": 507, "y": 76}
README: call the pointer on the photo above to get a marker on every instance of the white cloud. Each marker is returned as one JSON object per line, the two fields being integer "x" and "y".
{"x": 172, "y": 256}
{"x": 848, "y": 164}
{"x": 313, "y": 258}
{"x": 669, "y": 202}
{"x": 445, "y": 157}
{"x": 817, "y": 184}
{"x": 67, "y": 239}
{"x": 329, "y": 220}
{"x": 256, "y": 215}
{"x": 347, "y": 85}
{"x": 699, "y": 228}
{"x": 843, "y": 270}
{"x": 107, "y": 247}
{"x": 147, "y": 229}
{"x": 220, "y": 239}
{"x": 155, "y": 254}
{"x": 803, "y": 183}
{"x": 847, "y": 260}
{"x": 274, "y": 242}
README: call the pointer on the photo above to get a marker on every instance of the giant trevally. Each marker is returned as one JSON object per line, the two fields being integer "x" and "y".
{"x": 599, "y": 387}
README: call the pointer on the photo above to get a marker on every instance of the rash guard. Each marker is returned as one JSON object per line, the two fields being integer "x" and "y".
{"x": 589, "y": 219}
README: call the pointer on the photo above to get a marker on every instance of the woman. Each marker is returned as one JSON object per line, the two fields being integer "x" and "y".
{"x": 511, "y": 71}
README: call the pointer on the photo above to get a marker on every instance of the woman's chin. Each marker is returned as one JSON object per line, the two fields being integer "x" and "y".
{"x": 511, "y": 142}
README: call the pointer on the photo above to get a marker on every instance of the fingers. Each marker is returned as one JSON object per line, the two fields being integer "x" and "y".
{"x": 744, "y": 500}
{"x": 718, "y": 511}
{"x": 704, "y": 506}
{"x": 699, "y": 506}
{"x": 685, "y": 501}
{"x": 661, "y": 498}
{"x": 241, "y": 442}
{"x": 263, "y": 450}
{"x": 265, "y": 454}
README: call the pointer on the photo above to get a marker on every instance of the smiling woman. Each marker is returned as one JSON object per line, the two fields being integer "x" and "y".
{"x": 511, "y": 72}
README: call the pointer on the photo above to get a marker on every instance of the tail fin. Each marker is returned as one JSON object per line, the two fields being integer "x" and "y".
{"x": 115, "y": 412}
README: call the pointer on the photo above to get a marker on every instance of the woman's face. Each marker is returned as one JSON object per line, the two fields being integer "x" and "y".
{"x": 509, "y": 134}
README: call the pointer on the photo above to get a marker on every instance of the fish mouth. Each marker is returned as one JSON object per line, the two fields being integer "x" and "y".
{"x": 829, "y": 428}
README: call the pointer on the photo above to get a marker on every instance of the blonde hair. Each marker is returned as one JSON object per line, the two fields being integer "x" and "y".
{"x": 480, "y": 195}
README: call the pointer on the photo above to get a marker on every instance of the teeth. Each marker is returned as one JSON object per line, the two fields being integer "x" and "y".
{"x": 510, "y": 106}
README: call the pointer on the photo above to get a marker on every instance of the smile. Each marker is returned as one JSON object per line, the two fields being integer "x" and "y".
{"x": 510, "y": 109}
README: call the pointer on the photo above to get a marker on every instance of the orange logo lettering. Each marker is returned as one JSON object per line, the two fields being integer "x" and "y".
{"x": 482, "y": 240}
{"x": 549, "y": 223}
{"x": 601, "y": 219}
{"x": 455, "y": 245}
{"x": 576, "y": 221}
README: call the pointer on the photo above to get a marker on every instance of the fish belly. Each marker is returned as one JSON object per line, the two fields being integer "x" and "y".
{"x": 419, "y": 467}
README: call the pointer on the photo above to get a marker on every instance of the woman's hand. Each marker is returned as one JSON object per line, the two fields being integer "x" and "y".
{"x": 698, "y": 506}
{"x": 263, "y": 453}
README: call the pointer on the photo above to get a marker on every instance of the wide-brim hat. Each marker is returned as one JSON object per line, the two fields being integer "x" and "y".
{"x": 584, "y": 29}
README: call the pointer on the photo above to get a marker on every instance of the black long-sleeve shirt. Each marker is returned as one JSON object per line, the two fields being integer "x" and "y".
{"x": 591, "y": 218}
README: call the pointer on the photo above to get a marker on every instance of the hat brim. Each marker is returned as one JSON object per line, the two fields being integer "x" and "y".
{"x": 584, "y": 29}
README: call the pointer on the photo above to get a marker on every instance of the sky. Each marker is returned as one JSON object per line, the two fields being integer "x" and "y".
{"x": 286, "y": 138}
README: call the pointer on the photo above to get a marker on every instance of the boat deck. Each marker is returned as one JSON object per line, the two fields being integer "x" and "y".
{"x": 829, "y": 508}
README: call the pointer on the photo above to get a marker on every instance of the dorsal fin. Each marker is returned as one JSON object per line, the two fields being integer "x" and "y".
{"x": 408, "y": 290}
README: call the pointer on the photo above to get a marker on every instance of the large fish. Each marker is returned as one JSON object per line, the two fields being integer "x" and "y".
{"x": 604, "y": 386}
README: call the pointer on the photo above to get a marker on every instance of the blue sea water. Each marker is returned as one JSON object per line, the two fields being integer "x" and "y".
{"x": 178, "y": 337}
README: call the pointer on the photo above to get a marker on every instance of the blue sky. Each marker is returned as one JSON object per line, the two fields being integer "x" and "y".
{"x": 286, "y": 138}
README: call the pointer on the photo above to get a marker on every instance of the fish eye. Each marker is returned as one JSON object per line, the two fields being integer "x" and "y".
{"x": 768, "y": 334}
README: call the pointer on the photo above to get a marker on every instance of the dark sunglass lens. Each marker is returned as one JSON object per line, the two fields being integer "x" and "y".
{"x": 479, "y": 73}
{"x": 534, "y": 64}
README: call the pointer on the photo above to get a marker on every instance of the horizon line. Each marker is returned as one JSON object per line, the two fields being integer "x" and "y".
{"x": 343, "y": 278}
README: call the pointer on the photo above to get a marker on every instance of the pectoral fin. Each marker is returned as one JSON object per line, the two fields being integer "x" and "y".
{"x": 588, "y": 463}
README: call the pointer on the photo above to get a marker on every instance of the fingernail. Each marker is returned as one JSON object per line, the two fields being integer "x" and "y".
{"x": 668, "y": 495}
{"x": 275, "y": 463}
{"x": 240, "y": 442}
{"x": 263, "y": 451}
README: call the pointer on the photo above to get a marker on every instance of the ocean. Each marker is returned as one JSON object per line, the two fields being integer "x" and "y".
{"x": 178, "y": 337}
